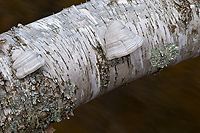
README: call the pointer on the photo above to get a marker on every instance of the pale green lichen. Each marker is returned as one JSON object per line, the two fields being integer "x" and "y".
{"x": 34, "y": 109}
{"x": 160, "y": 58}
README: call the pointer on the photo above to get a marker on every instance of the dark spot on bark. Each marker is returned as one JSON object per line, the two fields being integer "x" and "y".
{"x": 183, "y": 7}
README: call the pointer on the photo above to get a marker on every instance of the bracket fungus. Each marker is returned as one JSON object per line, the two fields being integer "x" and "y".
{"x": 120, "y": 41}
{"x": 26, "y": 62}
{"x": 16, "y": 54}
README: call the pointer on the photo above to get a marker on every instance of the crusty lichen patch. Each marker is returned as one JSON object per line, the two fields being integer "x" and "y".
{"x": 34, "y": 102}
{"x": 160, "y": 58}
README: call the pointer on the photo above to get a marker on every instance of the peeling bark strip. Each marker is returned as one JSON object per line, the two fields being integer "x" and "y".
{"x": 76, "y": 70}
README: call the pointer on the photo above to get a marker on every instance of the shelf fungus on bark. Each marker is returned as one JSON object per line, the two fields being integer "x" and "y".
{"x": 120, "y": 41}
{"x": 26, "y": 62}
{"x": 16, "y": 54}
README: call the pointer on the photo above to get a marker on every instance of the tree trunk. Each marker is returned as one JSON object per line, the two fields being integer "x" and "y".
{"x": 53, "y": 65}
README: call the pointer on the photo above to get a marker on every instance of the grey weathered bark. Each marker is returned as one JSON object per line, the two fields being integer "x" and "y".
{"x": 78, "y": 68}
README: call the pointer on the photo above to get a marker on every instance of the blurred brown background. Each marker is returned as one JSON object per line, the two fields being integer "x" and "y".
{"x": 166, "y": 103}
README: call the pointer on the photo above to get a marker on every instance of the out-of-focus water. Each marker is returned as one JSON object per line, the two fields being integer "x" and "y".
{"x": 166, "y": 103}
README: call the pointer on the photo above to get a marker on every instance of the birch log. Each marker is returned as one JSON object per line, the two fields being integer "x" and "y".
{"x": 78, "y": 65}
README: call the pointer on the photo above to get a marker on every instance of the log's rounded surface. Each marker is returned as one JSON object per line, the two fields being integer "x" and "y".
{"x": 89, "y": 50}
{"x": 120, "y": 41}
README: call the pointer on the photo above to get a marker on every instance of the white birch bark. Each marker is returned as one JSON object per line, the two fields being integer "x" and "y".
{"x": 77, "y": 70}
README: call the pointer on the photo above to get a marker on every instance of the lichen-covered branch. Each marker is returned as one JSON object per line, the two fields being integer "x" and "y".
{"x": 53, "y": 65}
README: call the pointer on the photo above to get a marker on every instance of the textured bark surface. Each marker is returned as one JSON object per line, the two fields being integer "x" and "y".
{"x": 77, "y": 70}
